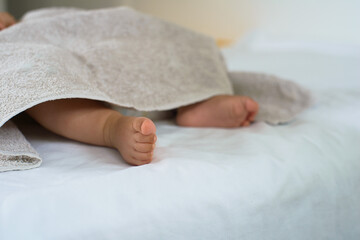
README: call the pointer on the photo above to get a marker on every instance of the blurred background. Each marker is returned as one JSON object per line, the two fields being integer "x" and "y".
{"x": 336, "y": 21}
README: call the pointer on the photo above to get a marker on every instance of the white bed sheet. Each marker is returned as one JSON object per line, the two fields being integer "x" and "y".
{"x": 295, "y": 181}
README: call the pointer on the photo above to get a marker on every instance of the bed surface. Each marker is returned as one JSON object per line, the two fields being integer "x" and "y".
{"x": 299, "y": 180}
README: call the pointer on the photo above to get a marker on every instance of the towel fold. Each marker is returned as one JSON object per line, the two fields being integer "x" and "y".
{"x": 15, "y": 151}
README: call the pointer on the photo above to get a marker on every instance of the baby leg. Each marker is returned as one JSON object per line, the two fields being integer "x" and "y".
{"x": 220, "y": 111}
{"x": 91, "y": 122}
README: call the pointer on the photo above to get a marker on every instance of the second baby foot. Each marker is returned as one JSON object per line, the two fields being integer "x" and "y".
{"x": 220, "y": 111}
{"x": 134, "y": 137}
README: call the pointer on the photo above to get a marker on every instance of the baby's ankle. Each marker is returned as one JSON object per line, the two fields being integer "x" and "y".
{"x": 109, "y": 128}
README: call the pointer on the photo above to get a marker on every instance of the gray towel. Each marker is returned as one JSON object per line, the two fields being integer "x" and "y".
{"x": 121, "y": 57}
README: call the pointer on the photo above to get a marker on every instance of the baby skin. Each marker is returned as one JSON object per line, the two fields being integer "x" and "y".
{"x": 91, "y": 122}
{"x": 6, "y": 20}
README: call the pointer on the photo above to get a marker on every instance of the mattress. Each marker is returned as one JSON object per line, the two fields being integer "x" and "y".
{"x": 298, "y": 180}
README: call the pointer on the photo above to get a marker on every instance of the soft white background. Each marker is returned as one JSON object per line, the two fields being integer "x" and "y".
{"x": 331, "y": 20}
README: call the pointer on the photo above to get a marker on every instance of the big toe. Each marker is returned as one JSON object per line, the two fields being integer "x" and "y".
{"x": 144, "y": 125}
{"x": 252, "y": 107}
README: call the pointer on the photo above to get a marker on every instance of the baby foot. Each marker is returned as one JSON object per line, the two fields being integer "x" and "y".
{"x": 134, "y": 137}
{"x": 219, "y": 111}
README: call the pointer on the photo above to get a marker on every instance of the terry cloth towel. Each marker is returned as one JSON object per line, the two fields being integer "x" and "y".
{"x": 121, "y": 57}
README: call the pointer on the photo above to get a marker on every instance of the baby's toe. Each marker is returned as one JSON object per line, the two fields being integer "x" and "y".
{"x": 238, "y": 111}
{"x": 245, "y": 123}
{"x": 142, "y": 158}
{"x": 144, "y": 147}
{"x": 252, "y": 107}
{"x": 144, "y": 126}
{"x": 140, "y": 138}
